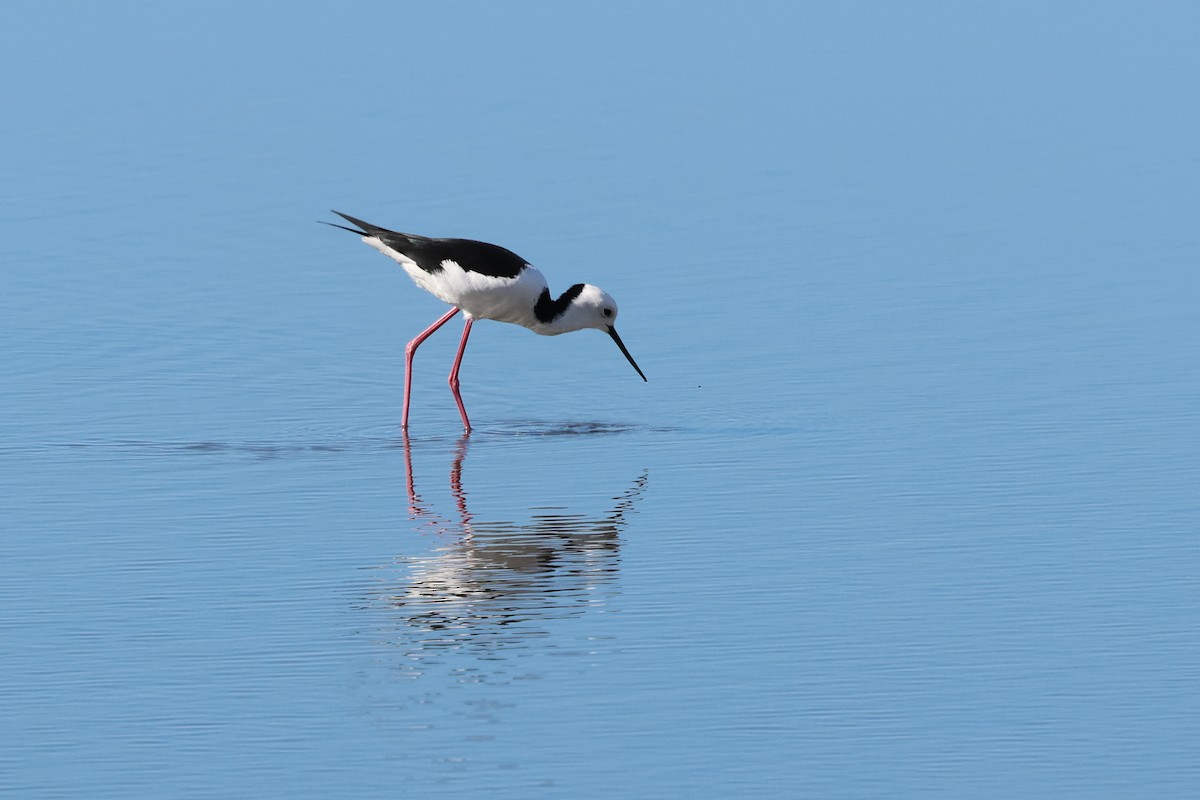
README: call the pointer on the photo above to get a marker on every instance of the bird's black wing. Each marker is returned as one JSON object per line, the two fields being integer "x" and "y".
{"x": 472, "y": 256}
{"x": 479, "y": 257}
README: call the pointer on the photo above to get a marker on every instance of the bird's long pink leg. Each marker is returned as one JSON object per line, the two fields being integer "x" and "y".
{"x": 409, "y": 350}
{"x": 462, "y": 346}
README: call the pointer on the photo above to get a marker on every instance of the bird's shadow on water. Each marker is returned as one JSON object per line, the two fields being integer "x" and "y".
{"x": 491, "y": 590}
{"x": 314, "y": 442}
{"x": 527, "y": 427}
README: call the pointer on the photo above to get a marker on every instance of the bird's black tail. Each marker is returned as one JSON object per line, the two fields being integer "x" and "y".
{"x": 366, "y": 226}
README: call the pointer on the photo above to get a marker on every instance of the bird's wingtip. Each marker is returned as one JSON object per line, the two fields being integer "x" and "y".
{"x": 343, "y": 227}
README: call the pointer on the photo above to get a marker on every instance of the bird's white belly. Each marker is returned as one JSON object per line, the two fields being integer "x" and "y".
{"x": 479, "y": 296}
{"x": 482, "y": 296}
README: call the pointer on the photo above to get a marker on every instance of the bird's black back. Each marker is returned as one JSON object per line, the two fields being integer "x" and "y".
{"x": 428, "y": 253}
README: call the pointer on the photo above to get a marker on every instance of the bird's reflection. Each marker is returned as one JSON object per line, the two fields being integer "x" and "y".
{"x": 492, "y": 588}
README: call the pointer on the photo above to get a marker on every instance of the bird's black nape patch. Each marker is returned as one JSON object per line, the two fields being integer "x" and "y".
{"x": 547, "y": 310}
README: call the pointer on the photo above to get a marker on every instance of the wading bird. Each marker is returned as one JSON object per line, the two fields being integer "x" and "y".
{"x": 485, "y": 281}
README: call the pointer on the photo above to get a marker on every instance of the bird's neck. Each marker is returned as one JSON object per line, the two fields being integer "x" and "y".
{"x": 548, "y": 310}
{"x": 553, "y": 316}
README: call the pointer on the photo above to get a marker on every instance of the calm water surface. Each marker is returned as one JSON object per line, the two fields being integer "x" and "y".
{"x": 907, "y": 508}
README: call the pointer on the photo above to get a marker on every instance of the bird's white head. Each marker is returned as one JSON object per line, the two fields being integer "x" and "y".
{"x": 593, "y": 307}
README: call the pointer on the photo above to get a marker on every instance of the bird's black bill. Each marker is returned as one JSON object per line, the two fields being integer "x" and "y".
{"x": 613, "y": 333}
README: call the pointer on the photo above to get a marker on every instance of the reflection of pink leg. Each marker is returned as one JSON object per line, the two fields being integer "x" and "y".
{"x": 456, "y": 487}
{"x": 414, "y": 503}
{"x": 408, "y": 358}
{"x": 462, "y": 346}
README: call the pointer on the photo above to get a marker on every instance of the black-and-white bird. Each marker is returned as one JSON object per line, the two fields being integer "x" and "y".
{"x": 486, "y": 281}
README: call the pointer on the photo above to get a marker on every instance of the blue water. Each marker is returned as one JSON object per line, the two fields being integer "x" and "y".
{"x": 907, "y": 508}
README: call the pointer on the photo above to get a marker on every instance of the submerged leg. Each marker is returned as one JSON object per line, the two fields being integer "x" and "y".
{"x": 462, "y": 346}
{"x": 409, "y": 350}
